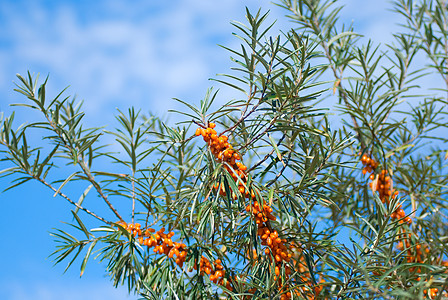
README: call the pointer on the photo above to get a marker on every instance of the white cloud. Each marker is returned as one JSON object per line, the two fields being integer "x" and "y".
{"x": 108, "y": 60}
{"x": 374, "y": 19}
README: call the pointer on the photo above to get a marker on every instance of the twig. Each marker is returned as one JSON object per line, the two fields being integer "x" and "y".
{"x": 267, "y": 155}
{"x": 41, "y": 180}
{"x": 281, "y": 171}
{"x": 98, "y": 188}
{"x": 254, "y": 108}
{"x": 83, "y": 166}
{"x": 70, "y": 200}
{"x": 258, "y": 136}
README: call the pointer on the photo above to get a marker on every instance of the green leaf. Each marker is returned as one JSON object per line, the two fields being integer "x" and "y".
{"x": 398, "y": 149}
{"x": 277, "y": 151}
{"x": 81, "y": 225}
{"x": 86, "y": 258}
{"x": 341, "y": 35}
{"x": 82, "y": 197}
{"x": 64, "y": 183}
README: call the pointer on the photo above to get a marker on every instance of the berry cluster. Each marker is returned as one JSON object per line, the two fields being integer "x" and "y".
{"x": 383, "y": 183}
{"x": 224, "y": 152}
{"x": 216, "y": 272}
{"x": 277, "y": 249}
{"x": 414, "y": 254}
{"x": 269, "y": 237}
{"x": 369, "y": 165}
{"x": 161, "y": 241}
{"x": 276, "y": 246}
{"x": 418, "y": 254}
{"x": 432, "y": 292}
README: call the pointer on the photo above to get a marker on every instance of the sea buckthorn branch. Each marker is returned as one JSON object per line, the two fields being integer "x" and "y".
{"x": 276, "y": 247}
{"x": 414, "y": 21}
{"x": 223, "y": 152}
{"x": 313, "y": 22}
{"x": 383, "y": 184}
{"x": 35, "y": 175}
{"x": 79, "y": 160}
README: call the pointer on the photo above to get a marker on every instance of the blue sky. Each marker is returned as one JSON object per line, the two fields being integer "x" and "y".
{"x": 113, "y": 54}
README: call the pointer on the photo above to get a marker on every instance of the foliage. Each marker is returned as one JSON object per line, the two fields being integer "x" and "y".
{"x": 302, "y": 218}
